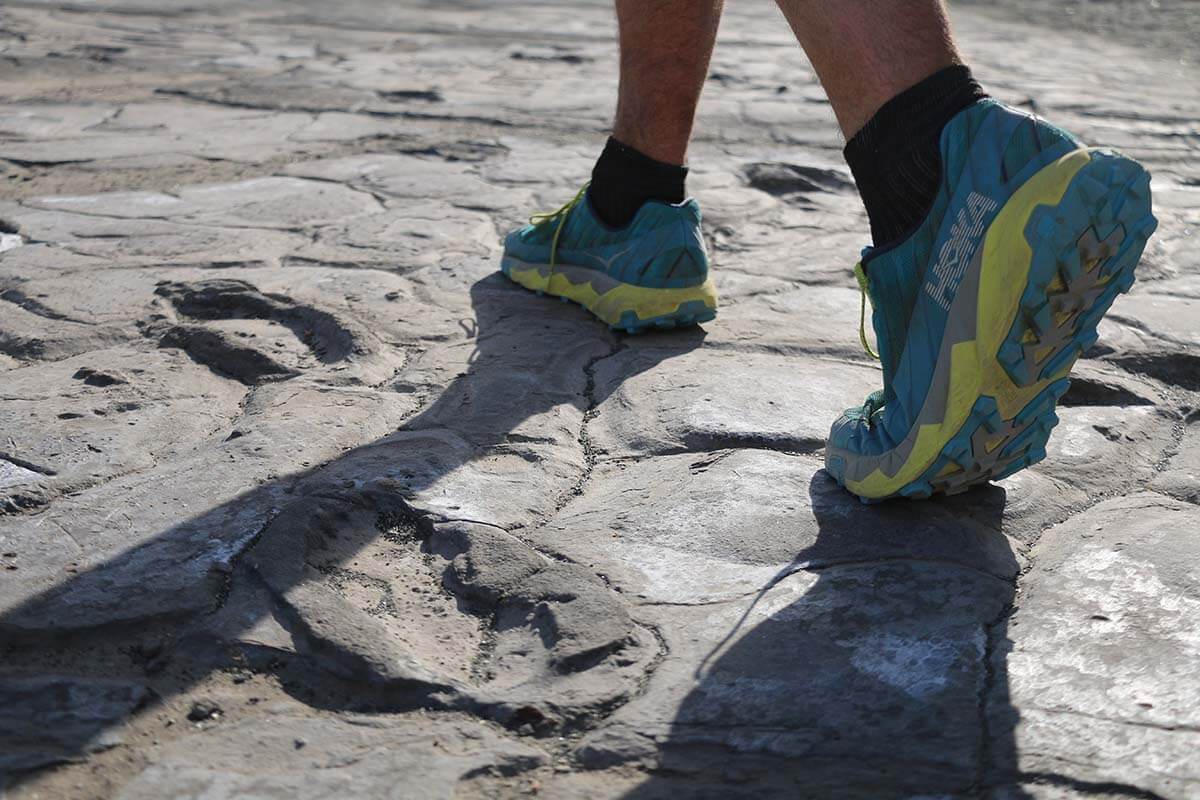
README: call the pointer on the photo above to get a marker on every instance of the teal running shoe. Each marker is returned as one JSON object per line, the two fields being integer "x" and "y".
{"x": 653, "y": 273}
{"x": 981, "y": 312}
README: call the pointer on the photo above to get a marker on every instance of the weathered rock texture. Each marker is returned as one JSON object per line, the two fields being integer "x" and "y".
{"x": 299, "y": 498}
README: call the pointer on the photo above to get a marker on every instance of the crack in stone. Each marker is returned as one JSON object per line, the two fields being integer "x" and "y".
{"x": 190, "y": 95}
{"x": 1179, "y": 369}
{"x": 18, "y": 298}
{"x": 1115, "y": 720}
{"x": 987, "y": 686}
{"x": 381, "y": 200}
{"x": 41, "y": 469}
{"x": 592, "y": 404}
{"x": 1101, "y": 788}
{"x": 234, "y": 560}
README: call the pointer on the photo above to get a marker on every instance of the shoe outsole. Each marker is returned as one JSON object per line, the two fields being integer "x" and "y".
{"x": 686, "y": 314}
{"x": 989, "y": 448}
{"x": 1085, "y": 250}
{"x": 1084, "y": 254}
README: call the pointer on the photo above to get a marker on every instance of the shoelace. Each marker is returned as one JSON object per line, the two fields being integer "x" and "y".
{"x": 861, "y": 274}
{"x": 875, "y": 400}
{"x": 561, "y": 215}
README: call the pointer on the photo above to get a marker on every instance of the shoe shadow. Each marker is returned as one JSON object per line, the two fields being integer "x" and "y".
{"x": 520, "y": 399}
{"x": 872, "y": 667}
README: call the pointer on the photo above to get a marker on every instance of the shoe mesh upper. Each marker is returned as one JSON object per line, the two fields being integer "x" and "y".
{"x": 662, "y": 247}
{"x": 1015, "y": 145}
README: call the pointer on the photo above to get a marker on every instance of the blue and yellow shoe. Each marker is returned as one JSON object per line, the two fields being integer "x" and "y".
{"x": 981, "y": 313}
{"x": 653, "y": 273}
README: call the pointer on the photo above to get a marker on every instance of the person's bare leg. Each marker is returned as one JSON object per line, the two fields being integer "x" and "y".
{"x": 665, "y": 50}
{"x": 866, "y": 52}
{"x": 634, "y": 224}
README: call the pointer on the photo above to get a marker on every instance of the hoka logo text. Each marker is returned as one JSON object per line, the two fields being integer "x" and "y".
{"x": 959, "y": 249}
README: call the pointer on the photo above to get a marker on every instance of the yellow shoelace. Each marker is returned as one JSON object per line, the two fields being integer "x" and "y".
{"x": 861, "y": 274}
{"x": 561, "y": 215}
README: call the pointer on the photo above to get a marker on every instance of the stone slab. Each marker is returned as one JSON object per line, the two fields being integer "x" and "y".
{"x": 659, "y": 403}
{"x": 1094, "y": 673}
{"x": 707, "y": 527}
{"x": 851, "y": 680}
{"x": 294, "y": 756}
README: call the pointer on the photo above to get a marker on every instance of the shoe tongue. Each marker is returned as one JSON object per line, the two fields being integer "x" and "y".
{"x": 893, "y": 284}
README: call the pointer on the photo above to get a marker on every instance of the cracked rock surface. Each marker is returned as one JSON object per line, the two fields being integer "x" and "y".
{"x": 299, "y": 498}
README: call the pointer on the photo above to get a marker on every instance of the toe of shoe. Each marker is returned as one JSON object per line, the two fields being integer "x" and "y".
{"x": 523, "y": 244}
{"x": 845, "y": 437}
{"x": 513, "y": 239}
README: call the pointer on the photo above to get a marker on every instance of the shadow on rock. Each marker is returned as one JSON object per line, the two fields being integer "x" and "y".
{"x": 379, "y": 581}
{"x": 857, "y": 672}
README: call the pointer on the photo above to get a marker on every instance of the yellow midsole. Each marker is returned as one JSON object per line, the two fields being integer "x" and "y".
{"x": 974, "y": 369}
{"x": 614, "y": 303}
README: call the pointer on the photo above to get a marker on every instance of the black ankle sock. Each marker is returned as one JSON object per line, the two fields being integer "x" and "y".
{"x": 896, "y": 158}
{"x": 623, "y": 179}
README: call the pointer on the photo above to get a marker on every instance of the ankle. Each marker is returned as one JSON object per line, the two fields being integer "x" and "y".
{"x": 896, "y": 156}
{"x": 624, "y": 179}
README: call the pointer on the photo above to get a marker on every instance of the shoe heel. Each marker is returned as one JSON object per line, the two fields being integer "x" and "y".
{"x": 1084, "y": 253}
